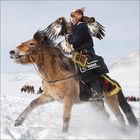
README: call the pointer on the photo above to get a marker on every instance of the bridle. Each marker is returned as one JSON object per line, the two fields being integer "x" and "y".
{"x": 47, "y": 79}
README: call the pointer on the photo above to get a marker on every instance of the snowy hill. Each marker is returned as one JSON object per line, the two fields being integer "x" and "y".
{"x": 45, "y": 122}
{"x": 126, "y": 62}
{"x": 126, "y": 70}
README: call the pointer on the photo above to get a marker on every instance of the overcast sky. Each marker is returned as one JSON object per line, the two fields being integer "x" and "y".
{"x": 21, "y": 19}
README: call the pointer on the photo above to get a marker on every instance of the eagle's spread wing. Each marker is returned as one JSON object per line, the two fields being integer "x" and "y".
{"x": 56, "y": 29}
{"x": 60, "y": 27}
{"x": 96, "y": 29}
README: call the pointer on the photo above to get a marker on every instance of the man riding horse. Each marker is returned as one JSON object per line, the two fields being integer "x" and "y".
{"x": 82, "y": 43}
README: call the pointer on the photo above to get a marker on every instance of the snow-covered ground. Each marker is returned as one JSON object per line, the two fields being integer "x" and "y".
{"x": 45, "y": 122}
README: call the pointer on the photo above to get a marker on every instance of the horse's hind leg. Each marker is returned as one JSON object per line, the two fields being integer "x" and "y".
{"x": 100, "y": 107}
{"x": 113, "y": 103}
{"x": 36, "y": 102}
{"x": 67, "y": 113}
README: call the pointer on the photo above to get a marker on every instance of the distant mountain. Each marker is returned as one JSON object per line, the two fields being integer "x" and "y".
{"x": 128, "y": 61}
{"x": 126, "y": 70}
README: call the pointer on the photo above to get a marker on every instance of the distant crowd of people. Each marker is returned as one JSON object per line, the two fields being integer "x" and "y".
{"x": 30, "y": 89}
{"x": 132, "y": 98}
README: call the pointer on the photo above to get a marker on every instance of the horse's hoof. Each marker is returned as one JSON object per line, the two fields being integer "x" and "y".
{"x": 18, "y": 123}
{"x": 64, "y": 130}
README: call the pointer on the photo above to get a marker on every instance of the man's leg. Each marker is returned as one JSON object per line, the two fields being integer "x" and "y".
{"x": 95, "y": 87}
{"x": 96, "y": 90}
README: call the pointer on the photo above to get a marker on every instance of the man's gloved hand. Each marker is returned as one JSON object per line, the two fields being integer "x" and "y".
{"x": 69, "y": 30}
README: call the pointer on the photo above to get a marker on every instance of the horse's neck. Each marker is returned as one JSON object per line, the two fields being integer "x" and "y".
{"x": 49, "y": 68}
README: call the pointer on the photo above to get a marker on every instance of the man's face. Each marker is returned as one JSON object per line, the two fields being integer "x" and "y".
{"x": 74, "y": 20}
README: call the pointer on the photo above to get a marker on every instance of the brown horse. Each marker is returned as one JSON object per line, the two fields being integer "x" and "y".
{"x": 59, "y": 81}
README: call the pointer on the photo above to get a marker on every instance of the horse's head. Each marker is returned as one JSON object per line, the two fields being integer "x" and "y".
{"x": 25, "y": 51}
{"x": 40, "y": 52}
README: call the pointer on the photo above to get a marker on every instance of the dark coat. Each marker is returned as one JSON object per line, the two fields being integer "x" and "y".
{"x": 81, "y": 39}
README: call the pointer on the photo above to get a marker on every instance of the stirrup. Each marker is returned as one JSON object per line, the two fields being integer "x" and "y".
{"x": 95, "y": 99}
{"x": 96, "y": 96}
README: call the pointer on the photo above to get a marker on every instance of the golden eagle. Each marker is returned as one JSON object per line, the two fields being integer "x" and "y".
{"x": 60, "y": 27}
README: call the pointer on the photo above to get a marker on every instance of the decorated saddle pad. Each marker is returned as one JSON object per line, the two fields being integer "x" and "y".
{"x": 110, "y": 86}
{"x": 80, "y": 59}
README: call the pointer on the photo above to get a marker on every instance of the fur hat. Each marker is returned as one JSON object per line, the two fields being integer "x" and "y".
{"x": 79, "y": 13}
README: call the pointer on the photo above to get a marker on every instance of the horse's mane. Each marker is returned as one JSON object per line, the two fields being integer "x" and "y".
{"x": 64, "y": 62}
{"x": 42, "y": 39}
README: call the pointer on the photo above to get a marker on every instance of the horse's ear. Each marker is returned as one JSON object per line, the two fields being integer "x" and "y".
{"x": 41, "y": 38}
{"x": 37, "y": 36}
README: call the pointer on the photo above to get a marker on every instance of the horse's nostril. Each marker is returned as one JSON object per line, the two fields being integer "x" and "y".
{"x": 12, "y": 52}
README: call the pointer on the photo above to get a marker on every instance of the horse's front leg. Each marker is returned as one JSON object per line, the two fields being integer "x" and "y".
{"x": 67, "y": 113}
{"x": 36, "y": 102}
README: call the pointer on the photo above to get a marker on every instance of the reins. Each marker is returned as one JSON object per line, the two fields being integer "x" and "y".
{"x": 53, "y": 81}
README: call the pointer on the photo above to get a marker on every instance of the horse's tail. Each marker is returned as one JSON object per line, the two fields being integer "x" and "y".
{"x": 127, "y": 109}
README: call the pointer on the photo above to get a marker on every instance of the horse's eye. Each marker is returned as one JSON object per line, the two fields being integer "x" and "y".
{"x": 31, "y": 44}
